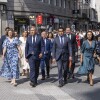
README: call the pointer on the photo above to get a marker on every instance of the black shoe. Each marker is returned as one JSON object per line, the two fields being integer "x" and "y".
{"x": 43, "y": 78}
{"x": 48, "y": 76}
{"x": 32, "y": 84}
{"x": 65, "y": 82}
{"x": 72, "y": 76}
{"x": 60, "y": 85}
{"x": 69, "y": 76}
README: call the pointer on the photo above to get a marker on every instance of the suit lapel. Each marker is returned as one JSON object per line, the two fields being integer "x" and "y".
{"x": 31, "y": 39}
{"x": 58, "y": 40}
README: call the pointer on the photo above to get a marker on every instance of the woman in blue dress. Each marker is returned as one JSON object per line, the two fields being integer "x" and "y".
{"x": 11, "y": 54}
{"x": 87, "y": 57}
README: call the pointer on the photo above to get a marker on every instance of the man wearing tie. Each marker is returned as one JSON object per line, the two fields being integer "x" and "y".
{"x": 33, "y": 53}
{"x": 72, "y": 38}
{"x": 62, "y": 52}
{"x": 46, "y": 56}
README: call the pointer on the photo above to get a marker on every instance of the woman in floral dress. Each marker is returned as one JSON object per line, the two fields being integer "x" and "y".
{"x": 11, "y": 55}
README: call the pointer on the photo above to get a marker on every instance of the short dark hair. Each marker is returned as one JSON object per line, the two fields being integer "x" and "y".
{"x": 92, "y": 35}
{"x": 60, "y": 28}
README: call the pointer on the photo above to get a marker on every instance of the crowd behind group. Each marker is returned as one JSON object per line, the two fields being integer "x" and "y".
{"x": 33, "y": 51}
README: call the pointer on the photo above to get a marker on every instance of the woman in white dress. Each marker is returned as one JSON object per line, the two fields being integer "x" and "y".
{"x": 24, "y": 64}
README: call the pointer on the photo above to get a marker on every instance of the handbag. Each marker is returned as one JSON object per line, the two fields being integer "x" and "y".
{"x": 96, "y": 60}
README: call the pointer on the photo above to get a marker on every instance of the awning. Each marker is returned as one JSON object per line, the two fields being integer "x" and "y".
{"x": 3, "y": 1}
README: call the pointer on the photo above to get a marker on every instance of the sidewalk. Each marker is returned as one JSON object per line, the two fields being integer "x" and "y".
{"x": 46, "y": 90}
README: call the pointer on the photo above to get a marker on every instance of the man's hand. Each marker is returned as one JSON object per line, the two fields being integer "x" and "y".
{"x": 40, "y": 55}
{"x": 3, "y": 57}
{"x": 54, "y": 61}
{"x": 70, "y": 58}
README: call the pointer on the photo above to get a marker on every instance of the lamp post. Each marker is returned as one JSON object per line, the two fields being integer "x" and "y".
{"x": 2, "y": 11}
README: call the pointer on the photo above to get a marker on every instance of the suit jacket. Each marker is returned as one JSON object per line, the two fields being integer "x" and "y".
{"x": 34, "y": 49}
{"x": 73, "y": 42}
{"x": 1, "y": 43}
{"x": 47, "y": 49}
{"x": 62, "y": 51}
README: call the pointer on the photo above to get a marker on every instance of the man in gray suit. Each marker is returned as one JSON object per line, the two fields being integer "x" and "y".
{"x": 62, "y": 53}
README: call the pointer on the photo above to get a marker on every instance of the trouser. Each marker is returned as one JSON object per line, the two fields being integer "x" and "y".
{"x": 45, "y": 62}
{"x": 62, "y": 70}
{"x": 34, "y": 69}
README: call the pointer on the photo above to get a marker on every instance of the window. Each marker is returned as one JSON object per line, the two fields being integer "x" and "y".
{"x": 69, "y": 4}
{"x": 59, "y": 3}
{"x": 64, "y": 2}
{"x": 50, "y": 2}
{"x": 55, "y": 2}
{"x": 40, "y": 0}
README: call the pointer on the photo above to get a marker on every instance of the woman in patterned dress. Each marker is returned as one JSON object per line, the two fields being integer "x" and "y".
{"x": 11, "y": 54}
{"x": 87, "y": 57}
{"x": 24, "y": 64}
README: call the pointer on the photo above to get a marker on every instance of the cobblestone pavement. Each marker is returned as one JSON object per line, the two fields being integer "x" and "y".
{"x": 77, "y": 89}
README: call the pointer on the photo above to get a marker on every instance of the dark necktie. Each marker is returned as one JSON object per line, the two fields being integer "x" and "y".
{"x": 33, "y": 39}
{"x": 61, "y": 40}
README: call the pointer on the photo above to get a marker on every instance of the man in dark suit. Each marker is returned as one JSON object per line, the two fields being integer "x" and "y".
{"x": 72, "y": 38}
{"x": 33, "y": 53}
{"x": 45, "y": 61}
{"x": 3, "y": 37}
{"x": 62, "y": 52}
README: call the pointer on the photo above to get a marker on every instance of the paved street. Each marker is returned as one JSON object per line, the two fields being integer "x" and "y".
{"x": 76, "y": 89}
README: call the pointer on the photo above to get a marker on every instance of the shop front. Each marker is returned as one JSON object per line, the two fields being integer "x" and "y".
{"x": 21, "y": 24}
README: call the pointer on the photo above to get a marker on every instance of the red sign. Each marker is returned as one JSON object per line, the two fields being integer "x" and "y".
{"x": 39, "y": 19}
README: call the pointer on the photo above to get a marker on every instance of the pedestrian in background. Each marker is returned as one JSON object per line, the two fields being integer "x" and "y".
{"x": 24, "y": 64}
{"x": 51, "y": 38}
{"x": 87, "y": 57}
{"x": 11, "y": 52}
{"x": 46, "y": 56}
{"x": 16, "y": 34}
{"x": 72, "y": 38}
{"x": 3, "y": 37}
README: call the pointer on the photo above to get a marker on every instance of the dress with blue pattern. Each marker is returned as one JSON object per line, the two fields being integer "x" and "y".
{"x": 88, "y": 60}
{"x": 10, "y": 64}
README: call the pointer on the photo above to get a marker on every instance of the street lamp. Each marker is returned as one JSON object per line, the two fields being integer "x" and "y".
{"x": 2, "y": 11}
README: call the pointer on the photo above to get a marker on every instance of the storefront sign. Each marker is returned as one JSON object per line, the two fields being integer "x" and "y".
{"x": 39, "y": 19}
{"x": 21, "y": 21}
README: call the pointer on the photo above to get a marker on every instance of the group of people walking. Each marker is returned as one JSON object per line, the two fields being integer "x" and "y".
{"x": 33, "y": 51}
